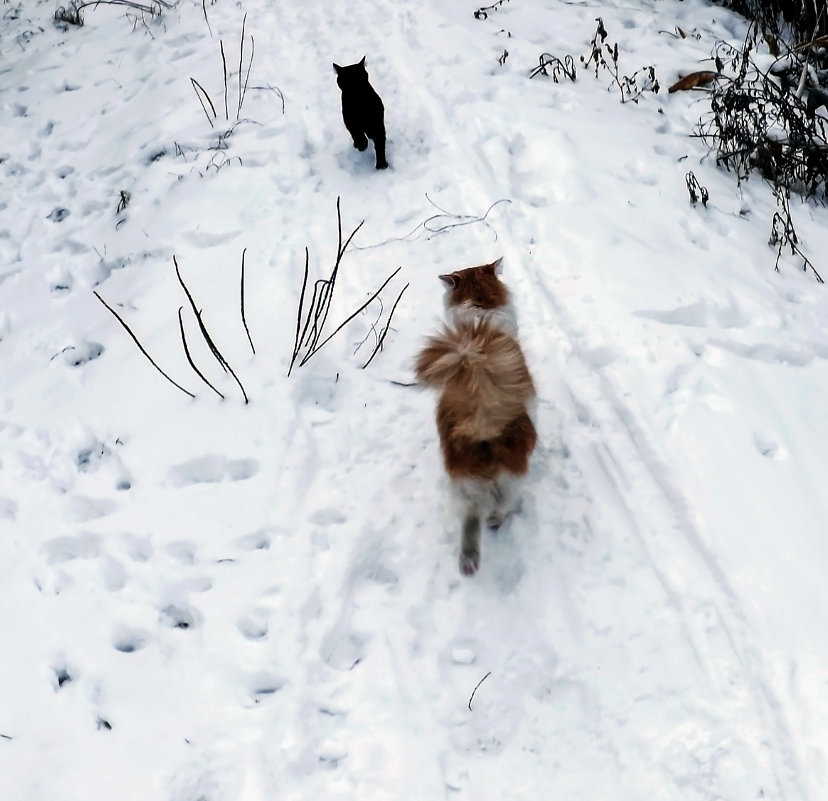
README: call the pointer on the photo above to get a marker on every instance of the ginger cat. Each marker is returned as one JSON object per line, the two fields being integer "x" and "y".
{"x": 486, "y": 433}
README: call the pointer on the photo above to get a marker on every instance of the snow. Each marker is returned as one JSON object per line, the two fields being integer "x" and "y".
{"x": 207, "y": 600}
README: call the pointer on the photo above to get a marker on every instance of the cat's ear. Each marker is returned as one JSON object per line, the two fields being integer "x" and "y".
{"x": 362, "y": 63}
{"x": 497, "y": 266}
{"x": 337, "y": 68}
{"x": 450, "y": 280}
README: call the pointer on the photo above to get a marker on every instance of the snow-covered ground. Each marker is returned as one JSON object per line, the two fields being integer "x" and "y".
{"x": 207, "y": 600}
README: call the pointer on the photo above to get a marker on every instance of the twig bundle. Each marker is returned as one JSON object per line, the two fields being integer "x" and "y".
{"x": 310, "y": 321}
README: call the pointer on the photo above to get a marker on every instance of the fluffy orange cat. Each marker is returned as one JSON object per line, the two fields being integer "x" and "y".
{"x": 486, "y": 432}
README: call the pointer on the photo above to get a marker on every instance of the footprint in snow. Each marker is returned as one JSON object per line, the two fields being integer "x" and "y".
{"x": 256, "y": 541}
{"x": 767, "y": 446}
{"x": 58, "y": 215}
{"x": 253, "y": 627}
{"x": 65, "y": 549}
{"x": 180, "y": 616}
{"x": 83, "y": 352}
{"x": 128, "y": 640}
{"x": 265, "y": 684}
{"x": 212, "y": 469}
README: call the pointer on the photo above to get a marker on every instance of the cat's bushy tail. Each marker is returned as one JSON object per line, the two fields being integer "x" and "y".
{"x": 483, "y": 374}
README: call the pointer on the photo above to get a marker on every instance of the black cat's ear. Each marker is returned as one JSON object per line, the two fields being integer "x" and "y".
{"x": 362, "y": 63}
{"x": 337, "y": 68}
{"x": 497, "y": 266}
{"x": 449, "y": 280}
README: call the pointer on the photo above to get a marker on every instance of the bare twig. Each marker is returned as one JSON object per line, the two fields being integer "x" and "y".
{"x": 247, "y": 75}
{"x": 190, "y": 358}
{"x": 299, "y": 314}
{"x": 207, "y": 338}
{"x": 202, "y": 95}
{"x": 204, "y": 9}
{"x": 317, "y": 314}
{"x": 140, "y": 346}
{"x": 381, "y": 339}
{"x": 345, "y": 322}
{"x": 244, "y": 319}
{"x": 224, "y": 70}
{"x": 241, "y": 61}
{"x": 475, "y": 689}
{"x": 275, "y": 89}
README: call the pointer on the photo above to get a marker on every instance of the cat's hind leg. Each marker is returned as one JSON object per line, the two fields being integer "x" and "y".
{"x": 506, "y": 499}
{"x": 470, "y": 545}
{"x": 379, "y": 147}
{"x": 471, "y": 495}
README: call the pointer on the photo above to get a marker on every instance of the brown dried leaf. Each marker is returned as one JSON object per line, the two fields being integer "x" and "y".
{"x": 693, "y": 80}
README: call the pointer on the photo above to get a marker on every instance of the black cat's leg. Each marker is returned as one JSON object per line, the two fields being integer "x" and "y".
{"x": 360, "y": 139}
{"x": 379, "y": 147}
{"x": 354, "y": 127}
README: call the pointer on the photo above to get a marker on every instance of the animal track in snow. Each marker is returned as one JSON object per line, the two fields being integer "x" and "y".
{"x": 767, "y": 446}
{"x": 8, "y": 508}
{"x": 128, "y": 640}
{"x": 139, "y": 549}
{"x": 58, "y": 215}
{"x": 256, "y": 541}
{"x": 700, "y": 314}
{"x": 62, "y": 675}
{"x": 65, "y": 549}
{"x": 180, "y": 616}
{"x": 82, "y": 353}
{"x": 183, "y": 550}
{"x": 212, "y": 469}
{"x": 253, "y": 626}
{"x": 81, "y": 509}
{"x": 264, "y": 684}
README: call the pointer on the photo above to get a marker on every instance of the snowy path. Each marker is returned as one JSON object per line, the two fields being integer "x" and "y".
{"x": 204, "y": 601}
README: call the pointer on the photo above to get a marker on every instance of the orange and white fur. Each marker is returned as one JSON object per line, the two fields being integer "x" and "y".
{"x": 486, "y": 432}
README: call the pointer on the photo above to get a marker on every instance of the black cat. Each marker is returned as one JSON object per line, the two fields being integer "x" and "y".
{"x": 362, "y": 109}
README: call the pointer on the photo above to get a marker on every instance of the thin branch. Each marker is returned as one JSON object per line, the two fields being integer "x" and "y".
{"x": 345, "y": 322}
{"x": 213, "y": 349}
{"x": 224, "y": 68}
{"x": 378, "y": 348}
{"x": 244, "y": 319}
{"x": 299, "y": 314}
{"x": 196, "y": 87}
{"x": 475, "y": 689}
{"x": 241, "y": 62}
{"x": 204, "y": 9}
{"x": 140, "y": 346}
{"x": 190, "y": 358}
{"x": 247, "y": 76}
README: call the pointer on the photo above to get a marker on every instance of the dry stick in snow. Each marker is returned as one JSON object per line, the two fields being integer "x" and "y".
{"x": 140, "y": 346}
{"x": 247, "y": 76}
{"x": 381, "y": 339}
{"x": 299, "y": 314}
{"x": 241, "y": 61}
{"x": 204, "y": 9}
{"x": 196, "y": 87}
{"x": 224, "y": 68}
{"x": 210, "y": 344}
{"x": 340, "y": 252}
{"x": 348, "y": 319}
{"x": 475, "y": 689}
{"x": 320, "y": 300}
{"x": 244, "y": 319}
{"x": 189, "y": 357}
